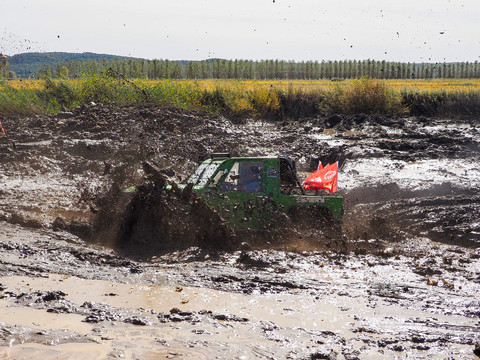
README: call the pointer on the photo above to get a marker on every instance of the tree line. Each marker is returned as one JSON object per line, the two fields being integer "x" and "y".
{"x": 263, "y": 69}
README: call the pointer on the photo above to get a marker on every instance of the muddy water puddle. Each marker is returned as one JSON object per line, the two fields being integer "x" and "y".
{"x": 375, "y": 309}
{"x": 223, "y": 324}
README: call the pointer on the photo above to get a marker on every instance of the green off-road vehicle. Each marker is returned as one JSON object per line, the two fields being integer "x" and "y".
{"x": 246, "y": 190}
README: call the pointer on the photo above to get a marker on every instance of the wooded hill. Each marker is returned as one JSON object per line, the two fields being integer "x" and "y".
{"x": 77, "y": 65}
{"x": 33, "y": 64}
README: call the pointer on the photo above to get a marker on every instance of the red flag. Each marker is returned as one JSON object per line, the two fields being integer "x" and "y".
{"x": 323, "y": 179}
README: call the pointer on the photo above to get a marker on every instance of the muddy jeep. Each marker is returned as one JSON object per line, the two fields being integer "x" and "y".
{"x": 246, "y": 191}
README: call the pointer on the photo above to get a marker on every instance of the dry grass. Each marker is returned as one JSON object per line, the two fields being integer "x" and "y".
{"x": 303, "y": 85}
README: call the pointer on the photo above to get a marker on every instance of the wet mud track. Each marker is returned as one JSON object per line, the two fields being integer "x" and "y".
{"x": 402, "y": 282}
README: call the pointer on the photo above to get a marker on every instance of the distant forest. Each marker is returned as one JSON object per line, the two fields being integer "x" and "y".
{"x": 245, "y": 69}
{"x": 266, "y": 69}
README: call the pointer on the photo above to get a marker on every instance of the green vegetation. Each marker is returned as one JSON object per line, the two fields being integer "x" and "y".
{"x": 266, "y": 100}
{"x": 57, "y": 95}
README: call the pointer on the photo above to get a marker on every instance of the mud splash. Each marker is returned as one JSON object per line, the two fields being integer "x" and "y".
{"x": 156, "y": 220}
{"x": 159, "y": 217}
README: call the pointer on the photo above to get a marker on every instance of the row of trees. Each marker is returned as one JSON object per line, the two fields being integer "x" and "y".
{"x": 264, "y": 69}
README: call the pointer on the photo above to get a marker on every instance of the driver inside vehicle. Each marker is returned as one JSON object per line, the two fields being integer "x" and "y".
{"x": 251, "y": 180}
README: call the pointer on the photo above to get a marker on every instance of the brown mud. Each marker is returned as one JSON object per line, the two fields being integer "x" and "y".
{"x": 400, "y": 279}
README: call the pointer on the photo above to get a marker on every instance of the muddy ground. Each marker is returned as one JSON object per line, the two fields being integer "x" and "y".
{"x": 400, "y": 281}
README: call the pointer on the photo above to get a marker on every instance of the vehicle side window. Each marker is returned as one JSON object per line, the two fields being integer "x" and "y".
{"x": 251, "y": 177}
{"x": 246, "y": 176}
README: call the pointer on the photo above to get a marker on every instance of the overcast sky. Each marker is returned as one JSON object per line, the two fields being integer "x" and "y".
{"x": 406, "y": 30}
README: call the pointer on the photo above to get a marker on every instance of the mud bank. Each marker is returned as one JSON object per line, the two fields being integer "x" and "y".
{"x": 402, "y": 280}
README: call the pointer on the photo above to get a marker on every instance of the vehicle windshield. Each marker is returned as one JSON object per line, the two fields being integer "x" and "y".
{"x": 202, "y": 174}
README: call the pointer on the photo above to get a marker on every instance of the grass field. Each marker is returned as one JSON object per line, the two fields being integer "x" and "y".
{"x": 305, "y": 85}
{"x": 312, "y": 85}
